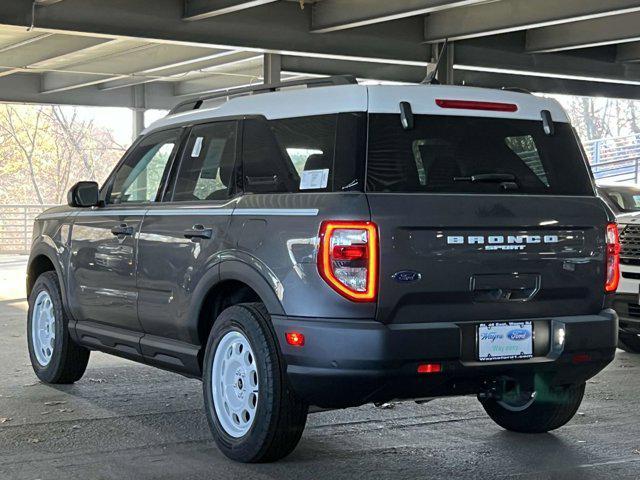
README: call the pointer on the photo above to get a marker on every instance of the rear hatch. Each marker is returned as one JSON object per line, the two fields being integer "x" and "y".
{"x": 483, "y": 219}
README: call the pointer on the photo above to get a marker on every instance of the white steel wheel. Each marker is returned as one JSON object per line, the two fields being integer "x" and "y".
{"x": 234, "y": 384}
{"x": 43, "y": 328}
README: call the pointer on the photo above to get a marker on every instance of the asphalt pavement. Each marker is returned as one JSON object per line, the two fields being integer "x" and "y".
{"x": 129, "y": 421}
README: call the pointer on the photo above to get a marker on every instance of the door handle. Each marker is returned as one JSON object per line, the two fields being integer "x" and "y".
{"x": 122, "y": 229}
{"x": 198, "y": 231}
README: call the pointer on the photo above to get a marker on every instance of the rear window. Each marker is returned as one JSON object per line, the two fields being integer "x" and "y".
{"x": 454, "y": 154}
{"x": 624, "y": 199}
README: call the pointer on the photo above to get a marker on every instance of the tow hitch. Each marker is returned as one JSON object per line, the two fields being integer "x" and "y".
{"x": 507, "y": 390}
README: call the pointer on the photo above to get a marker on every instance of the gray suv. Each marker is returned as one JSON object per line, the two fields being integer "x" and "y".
{"x": 334, "y": 246}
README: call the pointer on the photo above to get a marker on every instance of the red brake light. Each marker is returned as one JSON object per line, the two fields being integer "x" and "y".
{"x": 348, "y": 258}
{"x": 295, "y": 339}
{"x": 429, "y": 368}
{"x": 473, "y": 105}
{"x": 613, "y": 258}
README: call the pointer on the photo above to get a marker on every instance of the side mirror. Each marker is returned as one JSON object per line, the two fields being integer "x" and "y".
{"x": 83, "y": 194}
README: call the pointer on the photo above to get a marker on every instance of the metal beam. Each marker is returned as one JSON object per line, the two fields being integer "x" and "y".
{"x": 56, "y": 47}
{"x": 546, "y": 85}
{"x": 512, "y": 15}
{"x": 271, "y": 67}
{"x": 369, "y": 70}
{"x": 212, "y": 84}
{"x": 280, "y": 27}
{"x": 25, "y": 88}
{"x": 628, "y": 52}
{"x": 201, "y": 9}
{"x": 475, "y": 57}
{"x": 182, "y": 69}
{"x": 225, "y": 76}
{"x": 142, "y": 58}
{"x": 334, "y": 15}
{"x": 588, "y": 33}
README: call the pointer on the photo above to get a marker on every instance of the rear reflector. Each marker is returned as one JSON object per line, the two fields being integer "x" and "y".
{"x": 581, "y": 358}
{"x": 429, "y": 368}
{"x": 613, "y": 258}
{"x": 473, "y": 105}
{"x": 294, "y": 339}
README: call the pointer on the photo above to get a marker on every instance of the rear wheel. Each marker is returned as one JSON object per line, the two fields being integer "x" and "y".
{"x": 629, "y": 342}
{"x": 536, "y": 412}
{"x": 55, "y": 358}
{"x": 253, "y": 413}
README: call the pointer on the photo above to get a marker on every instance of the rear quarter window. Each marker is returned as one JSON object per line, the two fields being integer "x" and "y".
{"x": 455, "y": 154}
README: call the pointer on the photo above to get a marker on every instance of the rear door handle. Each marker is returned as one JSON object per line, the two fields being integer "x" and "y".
{"x": 122, "y": 229}
{"x": 198, "y": 231}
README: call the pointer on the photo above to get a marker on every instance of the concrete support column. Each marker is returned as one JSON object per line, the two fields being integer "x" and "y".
{"x": 139, "y": 106}
{"x": 272, "y": 66}
{"x": 138, "y": 121}
{"x": 445, "y": 69}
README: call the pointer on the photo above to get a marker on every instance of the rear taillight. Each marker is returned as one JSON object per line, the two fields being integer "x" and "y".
{"x": 613, "y": 258}
{"x": 348, "y": 258}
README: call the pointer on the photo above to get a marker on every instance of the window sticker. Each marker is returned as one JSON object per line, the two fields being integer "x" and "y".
{"x": 197, "y": 147}
{"x": 314, "y": 179}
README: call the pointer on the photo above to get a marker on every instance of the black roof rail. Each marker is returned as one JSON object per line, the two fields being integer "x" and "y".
{"x": 196, "y": 103}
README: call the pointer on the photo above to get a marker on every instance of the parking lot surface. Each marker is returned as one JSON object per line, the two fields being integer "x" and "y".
{"x": 124, "y": 420}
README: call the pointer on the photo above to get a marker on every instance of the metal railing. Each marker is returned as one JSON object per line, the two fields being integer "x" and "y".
{"x": 616, "y": 159}
{"x": 16, "y": 226}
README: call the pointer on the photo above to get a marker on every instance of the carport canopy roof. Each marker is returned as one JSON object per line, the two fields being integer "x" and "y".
{"x": 156, "y": 53}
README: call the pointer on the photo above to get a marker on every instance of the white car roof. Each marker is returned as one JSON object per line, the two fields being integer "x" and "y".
{"x": 370, "y": 98}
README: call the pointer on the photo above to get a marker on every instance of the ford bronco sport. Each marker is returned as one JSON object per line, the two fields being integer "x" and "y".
{"x": 334, "y": 246}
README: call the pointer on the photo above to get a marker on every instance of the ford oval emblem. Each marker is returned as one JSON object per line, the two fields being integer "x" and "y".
{"x": 518, "y": 334}
{"x": 406, "y": 276}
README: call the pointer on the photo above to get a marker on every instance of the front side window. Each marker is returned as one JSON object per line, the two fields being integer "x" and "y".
{"x": 321, "y": 153}
{"x": 457, "y": 154}
{"x": 207, "y": 163}
{"x": 139, "y": 178}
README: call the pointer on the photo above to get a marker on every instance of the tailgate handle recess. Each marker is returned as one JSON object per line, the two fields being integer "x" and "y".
{"x": 510, "y": 287}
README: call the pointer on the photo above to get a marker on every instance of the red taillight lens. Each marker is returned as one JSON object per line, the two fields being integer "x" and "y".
{"x": 473, "y": 105}
{"x": 348, "y": 259}
{"x": 429, "y": 368}
{"x": 613, "y": 258}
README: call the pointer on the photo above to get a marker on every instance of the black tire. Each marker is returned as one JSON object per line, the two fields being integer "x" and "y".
{"x": 280, "y": 415}
{"x": 549, "y": 410}
{"x": 629, "y": 342}
{"x": 68, "y": 360}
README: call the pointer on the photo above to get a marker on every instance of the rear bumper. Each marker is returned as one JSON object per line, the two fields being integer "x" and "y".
{"x": 350, "y": 362}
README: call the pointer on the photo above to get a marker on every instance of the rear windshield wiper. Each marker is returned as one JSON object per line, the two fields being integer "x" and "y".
{"x": 487, "y": 177}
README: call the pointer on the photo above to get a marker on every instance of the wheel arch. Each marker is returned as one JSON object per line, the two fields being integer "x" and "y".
{"x": 231, "y": 283}
{"x": 43, "y": 258}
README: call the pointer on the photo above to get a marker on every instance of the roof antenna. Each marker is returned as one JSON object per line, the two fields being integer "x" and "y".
{"x": 431, "y": 79}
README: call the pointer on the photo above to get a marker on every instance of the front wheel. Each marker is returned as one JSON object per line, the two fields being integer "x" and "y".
{"x": 253, "y": 413}
{"x": 55, "y": 357}
{"x": 629, "y": 342}
{"x": 541, "y": 411}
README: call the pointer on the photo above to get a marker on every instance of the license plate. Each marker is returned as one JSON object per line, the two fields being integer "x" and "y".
{"x": 505, "y": 341}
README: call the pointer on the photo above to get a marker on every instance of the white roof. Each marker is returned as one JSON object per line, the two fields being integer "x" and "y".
{"x": 372, "y": 98}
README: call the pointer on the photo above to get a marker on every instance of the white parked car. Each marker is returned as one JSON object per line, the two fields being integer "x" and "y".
{"x": 624, "y": 200}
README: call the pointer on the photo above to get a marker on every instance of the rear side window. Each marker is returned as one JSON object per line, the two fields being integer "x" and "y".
{"x": 455, "y": 154}
{"x": 207, "y": 163}
{"x": 322, "y": 153}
